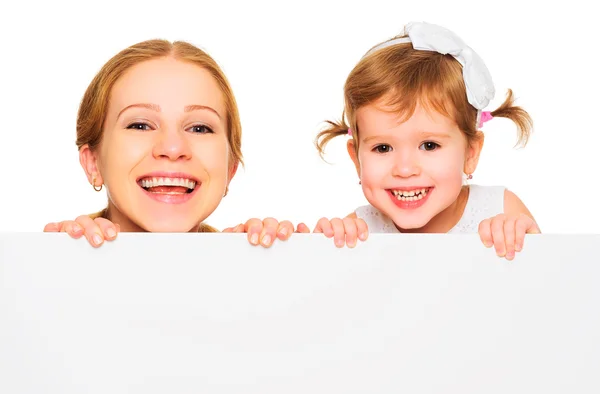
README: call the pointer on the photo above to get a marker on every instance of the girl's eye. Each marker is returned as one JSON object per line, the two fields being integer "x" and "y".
{"x": 201, "y": 129}
{"x": 139, "y": 126}
{"x": 429, "y": 146}
{"x": 383, "y": 148}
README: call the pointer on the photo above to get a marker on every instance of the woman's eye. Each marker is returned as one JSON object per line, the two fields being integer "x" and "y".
{"x": 139, "y": 126}
{"x": 383, "y": 148}
{"x": 429, "y": 146}
{"x": 200, "y": 129}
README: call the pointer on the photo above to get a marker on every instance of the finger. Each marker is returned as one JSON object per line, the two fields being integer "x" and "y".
{"x": 533, "y": 228}
{"x": 253, "y": 227}
{"x": 108, "y": 228}
{"x": 302, "y": 228}
{"x": 351, "y": 232}
{"x": 269, "y": 231}
{"x": 509, "y": 237}
{"x": 236, "y": 229}
{"x": 52, "y": 228}
{"x": 324, "y": 226}
{"x": 91, "y": 230}
{"x": 485, "y": 233}
{"x": 363, "y": 229}
{"x": 498, "y": 235}
{"x": 523, "y": 226}
{"x": 339, "y": 232}
{"x": 74, "y": 229}
{"x": 285, "y": 230}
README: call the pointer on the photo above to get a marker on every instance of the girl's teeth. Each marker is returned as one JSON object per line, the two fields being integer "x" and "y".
{"x": 410, "y": 195}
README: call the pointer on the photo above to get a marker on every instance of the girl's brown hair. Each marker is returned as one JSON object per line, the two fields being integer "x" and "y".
{"x": 403, "y": 77}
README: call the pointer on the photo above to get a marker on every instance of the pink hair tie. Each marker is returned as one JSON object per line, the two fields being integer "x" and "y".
{"x": 485, "y": 116}
{"x": 349, "y": 132}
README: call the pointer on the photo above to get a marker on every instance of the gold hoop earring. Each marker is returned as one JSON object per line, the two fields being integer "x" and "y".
{"x": 226, "y": 191}
{"x": 96, "y": 188}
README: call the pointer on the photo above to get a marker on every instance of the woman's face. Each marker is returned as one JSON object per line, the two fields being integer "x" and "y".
{"x": 164, "y": 156}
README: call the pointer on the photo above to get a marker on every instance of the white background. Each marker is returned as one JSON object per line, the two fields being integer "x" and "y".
{"x": 287, "y": 63}
{"x": 149, "y": 313}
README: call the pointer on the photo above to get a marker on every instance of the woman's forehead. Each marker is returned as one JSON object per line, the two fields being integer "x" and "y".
{"x": 170, "y": 84}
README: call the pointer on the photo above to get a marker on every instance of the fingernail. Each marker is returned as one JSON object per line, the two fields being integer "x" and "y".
{"x": 254, "y": 239}
{"x": 266, "y": 240}
{"x": 283, "y": 231}
{"x": 76, "y": 228}
{"x": 488, "y": 245}
{"x": 510, "y": 255}
{"x": 501, "y": 253}
{"x": 97, "y": 239}
{"x": 111, "y": 233}
{"x": 362, "y": 236}
{"x": 518, "y": 247}
{"x": 352, "y": 244}
{"x": 339, "y": 242}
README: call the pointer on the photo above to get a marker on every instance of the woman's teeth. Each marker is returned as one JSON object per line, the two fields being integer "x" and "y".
{"x": 168, "y": 185}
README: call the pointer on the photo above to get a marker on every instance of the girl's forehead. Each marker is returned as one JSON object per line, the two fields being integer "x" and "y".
{"x": 383, "y": 117}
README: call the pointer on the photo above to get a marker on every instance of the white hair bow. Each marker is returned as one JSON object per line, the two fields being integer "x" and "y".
{"x": 429, "y": 37}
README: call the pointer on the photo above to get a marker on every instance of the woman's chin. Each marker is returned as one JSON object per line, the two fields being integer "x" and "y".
{"x": 169, "y": 224}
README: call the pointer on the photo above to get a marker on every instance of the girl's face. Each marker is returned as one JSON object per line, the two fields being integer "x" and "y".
{"x": 164, "y": 156}
{"x": 413, "y": 171}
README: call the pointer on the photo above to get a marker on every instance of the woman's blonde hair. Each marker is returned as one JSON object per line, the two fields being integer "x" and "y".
{"x": 94, "y": 105}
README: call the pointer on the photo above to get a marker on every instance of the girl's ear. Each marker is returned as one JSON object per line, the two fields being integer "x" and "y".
{"x": 353, "y": 153}
{"x": 473, "y": 153}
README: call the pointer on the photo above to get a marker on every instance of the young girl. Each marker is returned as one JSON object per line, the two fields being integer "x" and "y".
{"x": 414, "y": 107}
{"x": 159, "y": 128}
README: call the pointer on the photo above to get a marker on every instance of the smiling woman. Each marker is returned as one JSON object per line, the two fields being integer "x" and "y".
{"x": 159, "y": 128}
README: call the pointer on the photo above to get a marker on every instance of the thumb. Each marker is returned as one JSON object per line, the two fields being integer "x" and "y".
{"x": 302, "y": 228}
{"x": 533, "y": 228}
{"x": 52, "y": 228}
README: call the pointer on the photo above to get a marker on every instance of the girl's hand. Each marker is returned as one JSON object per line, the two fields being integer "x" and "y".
{"x": 344, "y": 231}
{"x": 507, "y": 233}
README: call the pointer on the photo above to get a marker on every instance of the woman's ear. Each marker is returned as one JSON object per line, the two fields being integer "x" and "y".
{"x": 89, "y": 162}
{"x": 232, "y": 171}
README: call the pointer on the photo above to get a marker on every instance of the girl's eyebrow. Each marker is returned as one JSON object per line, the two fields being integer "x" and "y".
{"x": 156, "y": 108}
{"x": 436, "y": 134}
{"x": 422, "y": 134}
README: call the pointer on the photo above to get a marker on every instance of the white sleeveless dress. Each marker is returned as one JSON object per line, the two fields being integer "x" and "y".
{"x": 484, "y": 202}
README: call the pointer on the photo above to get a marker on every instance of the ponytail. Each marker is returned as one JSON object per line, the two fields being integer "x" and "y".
{"x": 518, "y": 115}
{"x": 334, "y": 129}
